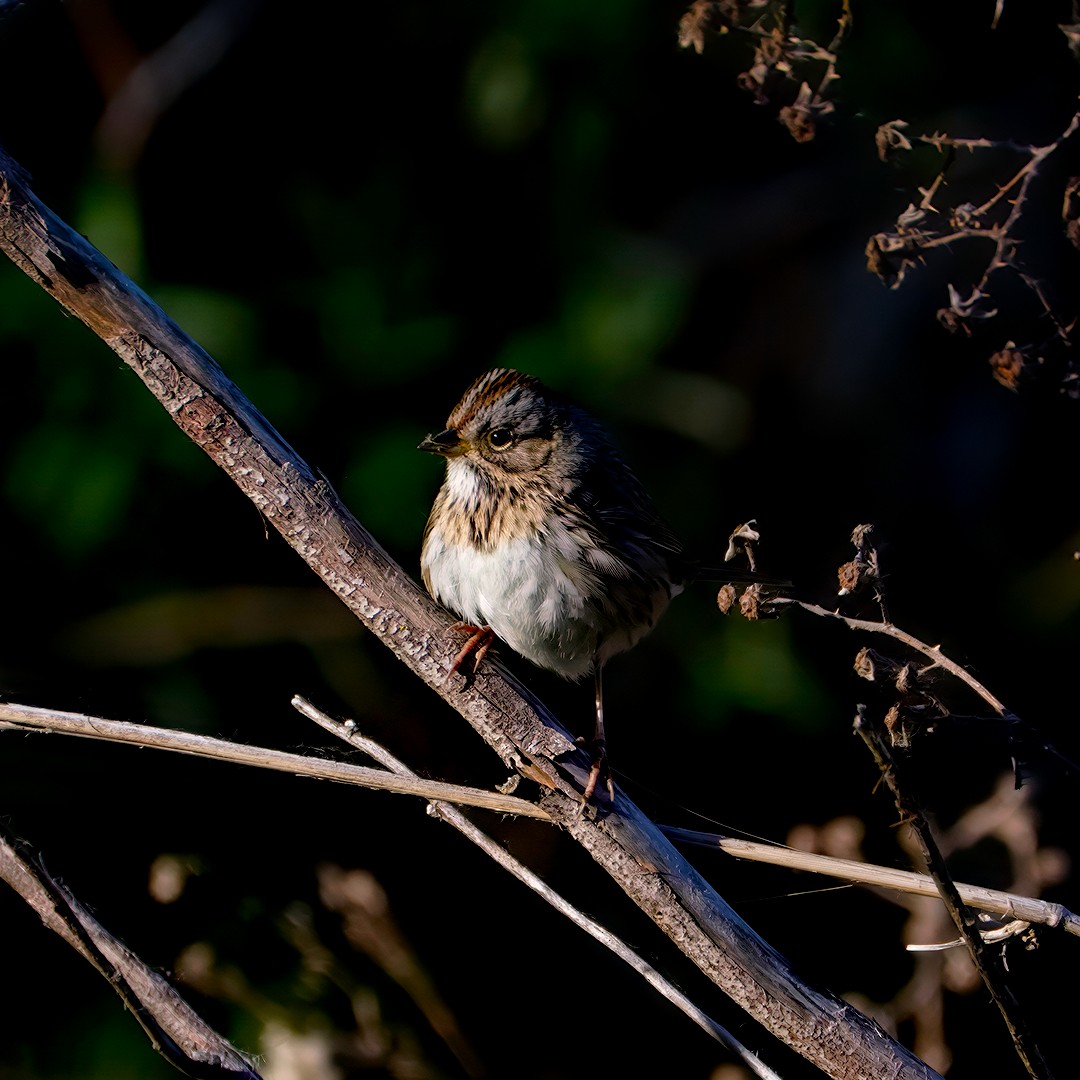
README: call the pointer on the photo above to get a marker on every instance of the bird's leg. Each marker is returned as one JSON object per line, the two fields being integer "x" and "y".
{"x": 599, "y": 748}
{"x": 477, "y": 646}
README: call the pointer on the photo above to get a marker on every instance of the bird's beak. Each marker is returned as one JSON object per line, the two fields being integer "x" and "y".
{"x": 448, "y": 443}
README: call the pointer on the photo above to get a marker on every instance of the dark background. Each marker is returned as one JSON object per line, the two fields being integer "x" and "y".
{"x": 357, "y": 211}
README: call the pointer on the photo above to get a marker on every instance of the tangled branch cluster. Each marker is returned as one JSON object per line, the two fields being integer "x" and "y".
{"x": 1040, "y": 314}
{"x": 784, "y": 65}
{"x": 998, "y": 222}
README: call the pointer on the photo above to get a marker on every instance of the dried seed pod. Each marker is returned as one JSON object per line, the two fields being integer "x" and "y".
{"x": 726, "y": 597}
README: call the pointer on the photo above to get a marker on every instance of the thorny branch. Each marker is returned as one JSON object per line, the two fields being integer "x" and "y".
{"x": 802, "y": 72}
{"x": 997, "y": 219}
{"x": 784, "y": 65}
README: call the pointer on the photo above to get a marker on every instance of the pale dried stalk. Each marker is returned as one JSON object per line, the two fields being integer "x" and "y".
{"x": 993, "y": 901}
{"x": 28, "y": 718}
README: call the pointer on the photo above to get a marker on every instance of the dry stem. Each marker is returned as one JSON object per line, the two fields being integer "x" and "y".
{"x": 27, "y": 718}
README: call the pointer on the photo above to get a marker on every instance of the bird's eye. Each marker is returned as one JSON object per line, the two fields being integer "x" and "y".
{"x": 500, "y": 438}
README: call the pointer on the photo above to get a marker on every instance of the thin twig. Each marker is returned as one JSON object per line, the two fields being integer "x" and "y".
{"x": 934, "y": 652}
{"x": 349, "y": 734}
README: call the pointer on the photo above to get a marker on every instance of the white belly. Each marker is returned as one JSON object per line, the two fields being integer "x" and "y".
{"x": 534, "y": 601}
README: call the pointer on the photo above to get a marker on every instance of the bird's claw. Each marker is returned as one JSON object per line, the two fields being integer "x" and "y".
{"x": 599, "y": 767}
{"x": 480, "y": 640}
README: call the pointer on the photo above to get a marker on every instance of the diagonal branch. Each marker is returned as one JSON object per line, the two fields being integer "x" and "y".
{"x": 314, "y": 522}
{"x": 175, "y": 1030}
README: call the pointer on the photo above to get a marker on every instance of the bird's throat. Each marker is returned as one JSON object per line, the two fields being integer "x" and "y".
{"x": 486, "y": 511}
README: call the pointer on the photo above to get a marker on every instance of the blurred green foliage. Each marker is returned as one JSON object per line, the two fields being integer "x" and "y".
{"x": 355, "y": 221}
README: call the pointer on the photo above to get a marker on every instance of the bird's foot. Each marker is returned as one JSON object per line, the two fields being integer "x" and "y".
{"x": 480, "y": 640}
{"x": 600, "y": 768}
